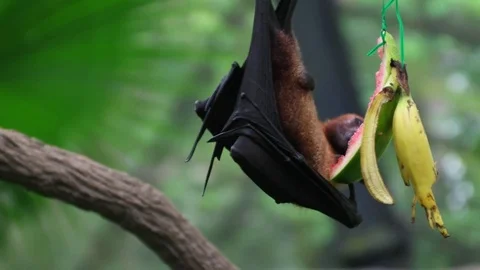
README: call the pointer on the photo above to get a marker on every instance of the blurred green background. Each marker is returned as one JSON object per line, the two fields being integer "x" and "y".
{"x": 116, "y": 80}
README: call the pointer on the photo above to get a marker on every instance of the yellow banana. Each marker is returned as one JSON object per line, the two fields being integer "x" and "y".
{"x": 415, "y": 159}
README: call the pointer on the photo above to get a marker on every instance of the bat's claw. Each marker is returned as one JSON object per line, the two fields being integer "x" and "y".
{"x": 299, "y": 157}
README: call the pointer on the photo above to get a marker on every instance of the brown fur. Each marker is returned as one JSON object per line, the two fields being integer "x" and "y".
{"x": 296, "y": 105}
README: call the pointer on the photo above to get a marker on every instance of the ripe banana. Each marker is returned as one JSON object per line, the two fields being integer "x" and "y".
{"x": 415, "y": 159}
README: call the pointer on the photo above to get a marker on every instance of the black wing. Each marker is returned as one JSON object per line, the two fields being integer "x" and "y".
{"x": 243, "y": 117}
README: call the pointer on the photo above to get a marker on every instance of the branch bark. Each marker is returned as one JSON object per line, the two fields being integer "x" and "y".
{"x": 128, "y": 202}
{"x": 463, "y": 29}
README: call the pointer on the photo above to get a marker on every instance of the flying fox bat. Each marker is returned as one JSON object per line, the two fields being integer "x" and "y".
{"x": 263, "y": 112}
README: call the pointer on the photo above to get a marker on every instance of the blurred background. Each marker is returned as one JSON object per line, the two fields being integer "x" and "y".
{"x": 116, "y": 80}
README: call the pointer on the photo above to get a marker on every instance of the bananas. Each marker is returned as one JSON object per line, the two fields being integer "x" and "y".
{"x": 415, "y": 159}
{"x": 394, "y": 110}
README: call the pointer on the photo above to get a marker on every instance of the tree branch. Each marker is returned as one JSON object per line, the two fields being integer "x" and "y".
{"x": 134, "y": 205}
{"x": 463, "y": 29}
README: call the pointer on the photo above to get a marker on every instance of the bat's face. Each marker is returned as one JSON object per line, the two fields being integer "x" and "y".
{"x": 340, "y": 130}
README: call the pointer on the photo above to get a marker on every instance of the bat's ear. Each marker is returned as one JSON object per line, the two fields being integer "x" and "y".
{"x": 284, "y": 14}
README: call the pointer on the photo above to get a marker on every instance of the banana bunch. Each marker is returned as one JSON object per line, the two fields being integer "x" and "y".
{"x": 412, "y": 148}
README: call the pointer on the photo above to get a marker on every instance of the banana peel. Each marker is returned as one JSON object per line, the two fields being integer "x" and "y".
{"x": 383, "y": 104}
{"x": 348, "y": 168}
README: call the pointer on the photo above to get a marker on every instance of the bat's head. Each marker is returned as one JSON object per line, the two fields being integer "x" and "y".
{"x": 340, "y": 130}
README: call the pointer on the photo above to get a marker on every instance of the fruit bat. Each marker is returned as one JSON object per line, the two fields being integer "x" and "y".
{"x": 263, "y": 112}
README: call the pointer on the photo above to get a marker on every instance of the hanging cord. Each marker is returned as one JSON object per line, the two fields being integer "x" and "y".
{"x": 401, "y": 30}
{"x": 383, "y": 31}
{"x": 384, "y": 27}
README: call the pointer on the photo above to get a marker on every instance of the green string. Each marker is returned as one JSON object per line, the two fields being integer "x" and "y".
{"x": 401, "y": 30}
{"x": 384, "y": 26}
{"x": 384, "y": 29}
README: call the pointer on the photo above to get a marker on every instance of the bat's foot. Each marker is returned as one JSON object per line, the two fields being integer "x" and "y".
{"x": 351, "y": 189}
{"x": 306, "y": 81}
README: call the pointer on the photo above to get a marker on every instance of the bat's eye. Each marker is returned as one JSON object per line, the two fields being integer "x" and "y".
{"x": 357, "y": 121}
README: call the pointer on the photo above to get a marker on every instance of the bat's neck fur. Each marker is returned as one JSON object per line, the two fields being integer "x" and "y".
{"x": 296, "y": 104}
